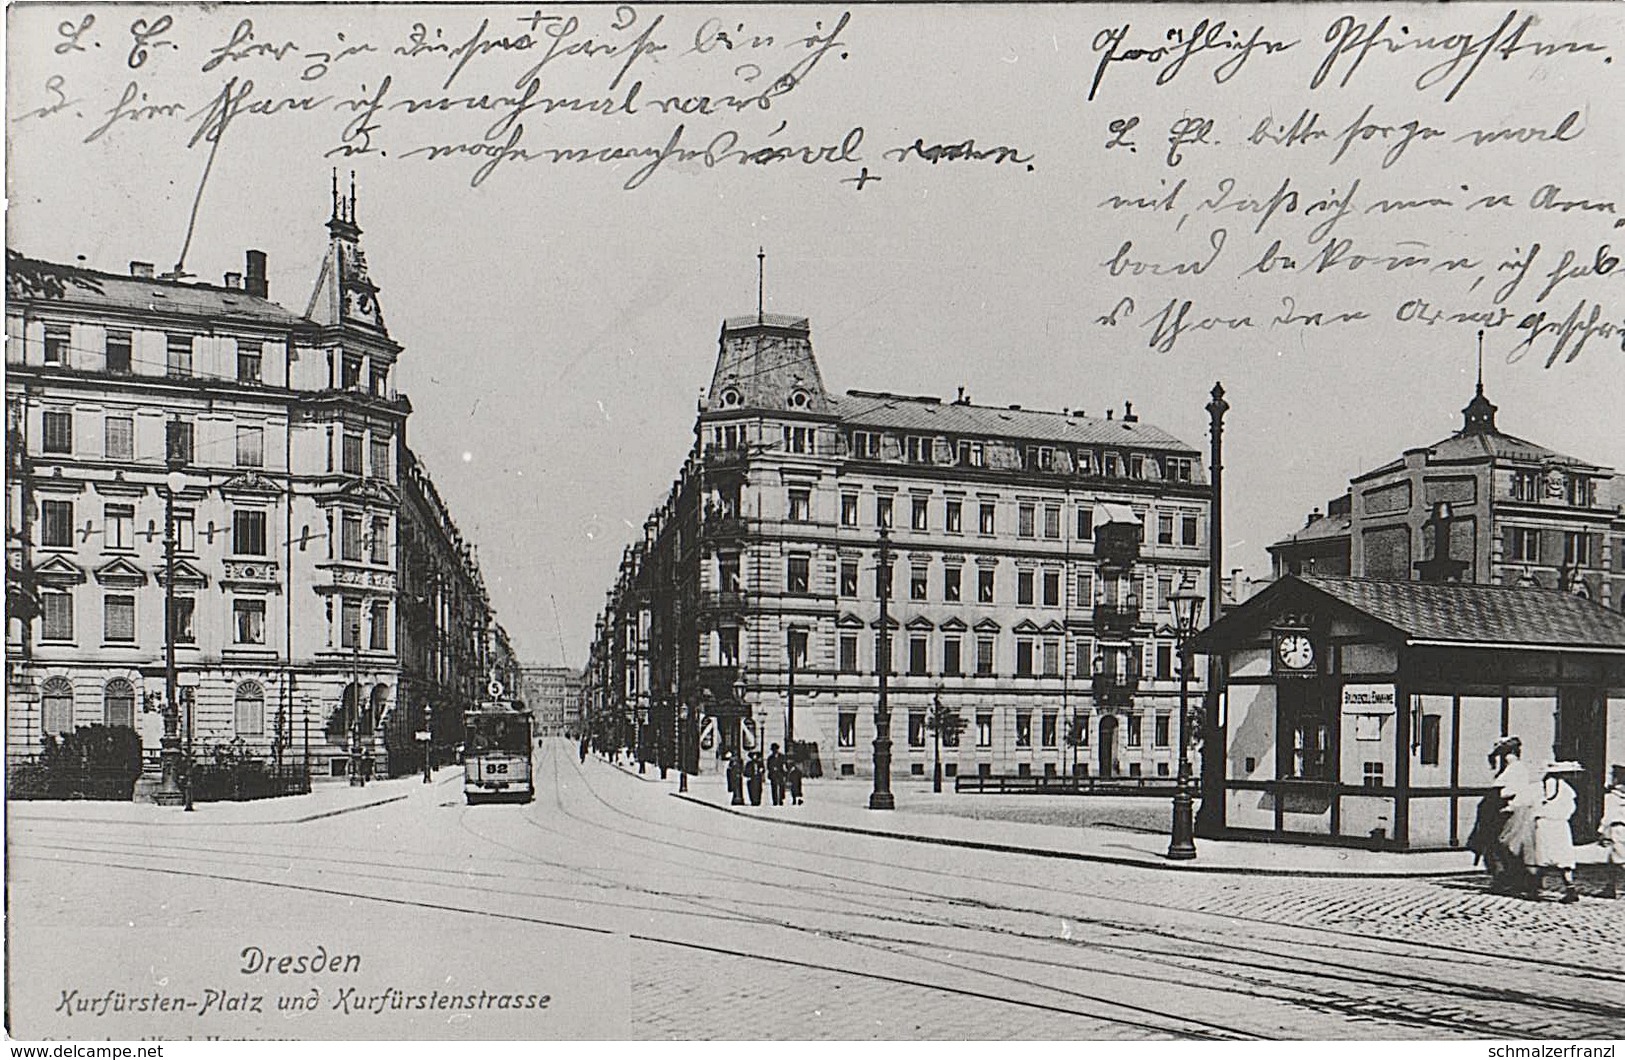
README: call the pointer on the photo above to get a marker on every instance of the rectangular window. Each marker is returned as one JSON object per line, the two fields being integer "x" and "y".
{"x": 118, "y": 526}
{"x": 916, "y": 655}
{"x": 184, "y": 629}
{"x": 798, "y": 574}
{"x": 984, "y": 656}
{"x": 379, "y": 381}
{"x": 178, "y": 442}
{"x": 1048, "y": 729}
{"x": 727, "y": 646}
{"x": 1581, "y": 491}
{"x": 56, "y": 524}
{"x": 380, "y": 458}
{"x": 379, "y": 640}
{"x": 919, "y": 519}
{"x": 917, "y": 583}
{"x": 1136, "y": 465}
{"x": 950, "y": 738}
{"x": 1086, "y": 462}
{"x": 950, "y": 656}
{"x": 1526, "y": 485}
{"x": 952, "y": 517}
{"x": 883, "y": 511}
{"x": 1430, "y": 739}
{"x": 1086, "y": 524}
{"x": 350, "y": 623}
{"x": 1052, "y": 658}
{"x": 984, "y": 730}
{"x": 1024, "y": 728}
{"x": 972, "y": 454}
{"x": 1109, "y": 465}
{"x": 1024, "y": 587}
{"x": 849, "y": 577}
{"x": 350, "y": 538}
{"x": 118, "y": 352}
{"x": 1187, "y": 528}
{"x": 1024, "y": 520}
{"x": 57, "y": 340}
{"x": 984, "y": 585}
{"x": 728, "y": 572}
{"x": 916, "y": 730}
{"x": 849, "y": 653}
{"x": 1165, "y": 662}
{"x": 58, "y": 433}
{"x": 248, "y": 621}
{"x": 350, "y": 373}
{"x": 1024, "y": 657}
{"x": 1576, "y": 549}
{"x": 250, "y": 447}
{"x": 379, "y": 540}
{"x": 950, "y": 584}
{"x": 919, "y": 449}
{"x": 1133, "y": 737}
{"x": 1178, "y": 469}
{"x": 987, "y": 523}
{"x": 1159, "y": 730}
{"x": 248, "y": 532}
{"x": 1526, "y": 544}
{"x": 118, "y": 619}
{"x": 118, "y": 438}
{"x": 1052, "y": 588}
{"x": 800, "y": 505}
{"x": 249, "y": 358}
{"x": 1165, "y": 528}
{"x": 846, "y": 732}
{"x": 1052, "y": 522}
{"x": 350, "y": 456}
{"x": 866, "y": 445}
{"x": 185, "y": 530}
{"x": 56, "y": 615}
{"x": 849, "y": 509}
{"x": 1086, "y": 588}
{"x": 1371, "y": 774}
{"x": 180, "y": 356}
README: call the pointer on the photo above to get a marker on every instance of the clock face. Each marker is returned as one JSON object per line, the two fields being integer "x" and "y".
{"x": 1295, "y": 651}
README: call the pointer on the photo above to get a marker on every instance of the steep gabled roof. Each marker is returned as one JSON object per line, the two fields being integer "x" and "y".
{"x": 929, "y": 415}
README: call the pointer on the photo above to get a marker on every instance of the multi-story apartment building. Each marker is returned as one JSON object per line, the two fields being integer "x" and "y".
{"x": 270, "y": 447}
{"x": 1031, "y": 557}
{"x": 552, "y": 694}
{"x": 1518, "y": 513}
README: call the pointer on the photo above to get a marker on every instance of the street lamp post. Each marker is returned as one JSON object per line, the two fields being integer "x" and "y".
{"x": 881, "y": 798}
{"x": 357, "y": 780}
{"x": 170, "y": 788}
{"x": 1187, "y": 605}
{"x": 682, "y": 746}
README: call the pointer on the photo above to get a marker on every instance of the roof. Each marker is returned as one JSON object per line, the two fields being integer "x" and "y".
{"x": 1428, "y": 612}
{"x": 1326, "y": 528}
{"x": 32, "y": 280}
{"x": 932, "y": 415}
{"x": 1481, "y": 445}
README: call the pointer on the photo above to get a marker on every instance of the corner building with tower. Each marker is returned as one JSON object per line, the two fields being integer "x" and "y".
{"x": 1032, "y": 555}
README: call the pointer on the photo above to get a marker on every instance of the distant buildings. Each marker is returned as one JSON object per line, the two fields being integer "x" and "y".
{"x": 553, "y": 694}
{"x": 320, "y": 584}
{"x": 1031, "y": 554}
{"x": 1518, "y": 513}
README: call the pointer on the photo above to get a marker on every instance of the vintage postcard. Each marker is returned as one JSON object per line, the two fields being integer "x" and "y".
{"x": 815, "y": 521}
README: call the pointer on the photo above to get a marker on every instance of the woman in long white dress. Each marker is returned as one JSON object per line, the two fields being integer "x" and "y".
{"x": 1554, "y": 838}
{"x": 1520, "y": 794}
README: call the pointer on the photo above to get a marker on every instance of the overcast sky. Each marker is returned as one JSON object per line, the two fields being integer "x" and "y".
{"x": 559, "y": 327}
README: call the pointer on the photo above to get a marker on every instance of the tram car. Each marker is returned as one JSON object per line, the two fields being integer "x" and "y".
{"x": 496, "y": 754}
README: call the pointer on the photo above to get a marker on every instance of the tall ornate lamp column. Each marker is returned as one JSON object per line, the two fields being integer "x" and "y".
{"x": 1187, "y": 605}
{"x": 170, "y": 788}
{"x": 881, "y": 798}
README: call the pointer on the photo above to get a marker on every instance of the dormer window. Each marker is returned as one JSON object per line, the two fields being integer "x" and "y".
{"x": 866, "y": 445}
{"x": 730, "y": 398}
{"x": 799, "y": 399}
{"x": 919, "y": 449}
{"x": 972, "y": 454}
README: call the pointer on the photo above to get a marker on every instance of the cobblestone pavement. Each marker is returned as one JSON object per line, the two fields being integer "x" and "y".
{"x": 741, "y": 928}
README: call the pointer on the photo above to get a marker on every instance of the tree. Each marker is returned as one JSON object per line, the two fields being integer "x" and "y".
{"x": 943, "y": 724}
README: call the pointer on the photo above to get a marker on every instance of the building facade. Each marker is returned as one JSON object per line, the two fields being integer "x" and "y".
{"x": 270, "y": 448}
{"x": 552, "y": 693}
{"x": 1031, "y": 556}
{"x": 1518, "y": 513}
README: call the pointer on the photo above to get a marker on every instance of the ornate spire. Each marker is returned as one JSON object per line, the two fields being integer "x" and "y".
{"x": 1479, "y": 415}
{"x": 344, "y": 293}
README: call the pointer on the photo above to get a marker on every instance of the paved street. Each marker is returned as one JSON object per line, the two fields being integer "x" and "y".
{"x": 647, "y": 916}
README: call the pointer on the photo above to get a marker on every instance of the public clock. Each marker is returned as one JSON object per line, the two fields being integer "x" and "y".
{"x": 1294, "y": 652}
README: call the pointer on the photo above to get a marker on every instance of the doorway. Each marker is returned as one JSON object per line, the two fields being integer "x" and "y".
{"x": 1108, "y": 746}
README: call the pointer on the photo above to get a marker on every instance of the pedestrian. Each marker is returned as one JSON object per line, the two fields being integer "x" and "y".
{"x": 736, "y": 780}
{"x": 583, "y": 750}
{"x": 1495, "y": 810}
{"x": 1521, "y": 795}
{"x": 1611, "y": 832}
{"x": 1554, "y": 838}
{"x": 753, "y": 778}
{"x": 775, "y": 775}
{"x": 792, "y": 778}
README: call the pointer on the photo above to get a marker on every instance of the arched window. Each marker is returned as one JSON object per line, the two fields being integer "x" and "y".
{"x": 250, "y": 712}
{"x": 56, "y": 706}
{"x": 118, "y": 703}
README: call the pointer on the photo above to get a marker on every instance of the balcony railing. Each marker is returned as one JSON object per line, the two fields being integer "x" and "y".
{"x": 720, "y": 458}
{"x": 1115, "y": 688}
{"x": 722, "y": 600}
{"x": 1117, "y": 618}
{"x": 718, "y": 524}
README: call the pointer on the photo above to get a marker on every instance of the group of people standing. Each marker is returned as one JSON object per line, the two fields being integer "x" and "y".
{"x": 745, "y": 775}
{"x": 1523, "y": 830}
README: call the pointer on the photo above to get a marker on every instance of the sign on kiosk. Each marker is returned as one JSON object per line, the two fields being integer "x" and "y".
{"x": 1368, "y": 699}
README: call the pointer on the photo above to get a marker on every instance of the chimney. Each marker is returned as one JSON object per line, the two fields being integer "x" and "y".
{"x": 1237, "y": 583}
{"x": 141, "y": 269}
{"x": 1441, "y": 568}
{"x": 234, "y": 281}
{"x": 254, "y": 281}
{"x": 1128, "y": 413}
{"x": 1108, "y": 414}
{"x": 1314, "y": 517}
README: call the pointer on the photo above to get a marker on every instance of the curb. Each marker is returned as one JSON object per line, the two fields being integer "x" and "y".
{"x": 1075, "y": 855}
{"x": 188, "y": 823}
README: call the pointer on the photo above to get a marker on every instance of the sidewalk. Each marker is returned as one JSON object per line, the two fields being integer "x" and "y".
{"x": 326, "y": 799}
{"x": 1118, "y": 830}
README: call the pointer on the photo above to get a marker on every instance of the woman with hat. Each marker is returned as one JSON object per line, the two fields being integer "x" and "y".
{"x": 1505, "y": 832}
{"x": 1554, "y": 839}
{"x": 1611, "y": 832}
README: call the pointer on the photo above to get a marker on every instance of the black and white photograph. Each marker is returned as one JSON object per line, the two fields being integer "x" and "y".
{"x": 815, "y": 522}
